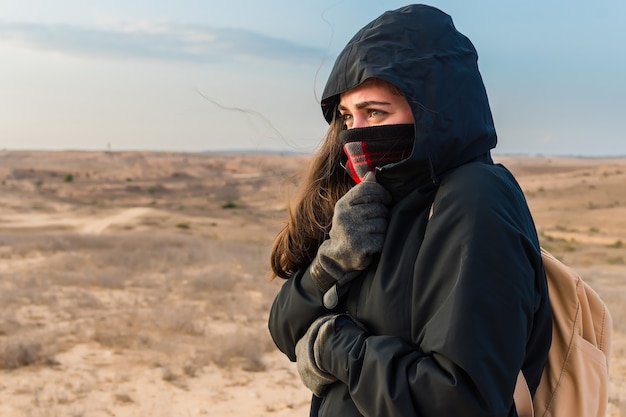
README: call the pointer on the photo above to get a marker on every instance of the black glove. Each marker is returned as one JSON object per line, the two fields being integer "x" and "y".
{"x": 357, "y": 233}
{"x": 308, "y": 353}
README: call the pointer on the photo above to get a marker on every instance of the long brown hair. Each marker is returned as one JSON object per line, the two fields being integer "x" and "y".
{"x": 311, "y": 215}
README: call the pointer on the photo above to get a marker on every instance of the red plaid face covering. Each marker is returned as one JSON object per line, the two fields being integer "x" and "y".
{"x": 367, "y": 148}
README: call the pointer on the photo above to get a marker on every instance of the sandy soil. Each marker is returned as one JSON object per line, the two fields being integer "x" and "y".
{"x": 137, "y": 284}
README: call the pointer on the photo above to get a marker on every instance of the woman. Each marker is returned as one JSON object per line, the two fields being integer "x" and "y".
{"x": 414, "y": 282}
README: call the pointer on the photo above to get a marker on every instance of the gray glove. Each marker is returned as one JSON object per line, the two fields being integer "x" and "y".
{"x": 357, "y": 233}
{"x": 308, "y": 355}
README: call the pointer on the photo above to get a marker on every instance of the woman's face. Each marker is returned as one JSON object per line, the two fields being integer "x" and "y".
{"x": 374, "y": 103}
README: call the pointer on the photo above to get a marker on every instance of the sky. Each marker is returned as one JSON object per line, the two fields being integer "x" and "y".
{"x": 204, "y": 75}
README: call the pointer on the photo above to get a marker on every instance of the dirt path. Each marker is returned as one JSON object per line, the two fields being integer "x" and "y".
{"x": 82, "y": 223}
{"x": 98, "y": 226}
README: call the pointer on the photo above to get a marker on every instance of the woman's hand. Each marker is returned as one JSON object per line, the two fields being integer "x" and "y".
{"x": 308, "y": 350}
{"x": 357, "y": 233}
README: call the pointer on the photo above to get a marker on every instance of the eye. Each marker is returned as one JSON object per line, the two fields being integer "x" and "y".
{"x": 375, "y": 113}
{"x": 346, "y": 119}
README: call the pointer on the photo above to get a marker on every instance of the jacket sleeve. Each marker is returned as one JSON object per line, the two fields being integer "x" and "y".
{"x": 298, "y": 303}
{"x": 483, "y": 269}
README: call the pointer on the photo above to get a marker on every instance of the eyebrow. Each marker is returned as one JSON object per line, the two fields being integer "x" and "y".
{"x": 365, "y": 104}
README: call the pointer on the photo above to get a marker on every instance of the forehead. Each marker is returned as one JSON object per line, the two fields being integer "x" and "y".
{"x": 369, "y": 90}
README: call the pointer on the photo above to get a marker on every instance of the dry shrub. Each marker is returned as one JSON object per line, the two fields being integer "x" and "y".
{"x": 184, "y": 319}
{"x": 22, "y": 353}
{"x": 168, "y": 375}
{"x": 191, "y": 369}
{"x": 32, "y": 346}
{"x": 82, "y": 300}
{"x": 216, "y": 279}
{"x": 243, "y": 350}
{"x": 122, "y": 331}
{"x": 114, "y": 338}
{"x": 121, "y": 398}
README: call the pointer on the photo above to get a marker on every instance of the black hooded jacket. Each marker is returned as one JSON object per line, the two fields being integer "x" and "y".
{"x": 456, "y": 304}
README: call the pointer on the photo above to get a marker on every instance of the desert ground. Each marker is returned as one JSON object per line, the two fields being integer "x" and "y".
{"x": 137, "y": 283}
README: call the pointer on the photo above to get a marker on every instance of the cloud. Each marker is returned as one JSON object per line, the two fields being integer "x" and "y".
{"x": 168, "y": 41}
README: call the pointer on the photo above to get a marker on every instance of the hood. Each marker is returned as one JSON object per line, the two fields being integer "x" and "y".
{"x": 418, "y": 49}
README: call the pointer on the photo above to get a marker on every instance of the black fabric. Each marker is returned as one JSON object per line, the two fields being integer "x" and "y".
{"x": 456, "y": 304}
{"x": 369, "y": 148}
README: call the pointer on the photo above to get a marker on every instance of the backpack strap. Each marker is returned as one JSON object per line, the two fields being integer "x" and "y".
{"x": 522, "y": 398}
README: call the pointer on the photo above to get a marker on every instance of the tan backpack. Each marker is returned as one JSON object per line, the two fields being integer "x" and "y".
{"x": 575, "y": 379}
